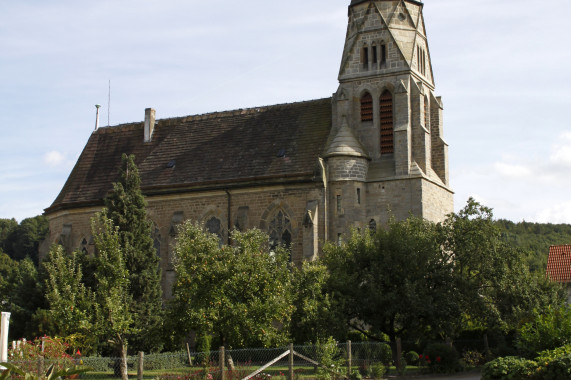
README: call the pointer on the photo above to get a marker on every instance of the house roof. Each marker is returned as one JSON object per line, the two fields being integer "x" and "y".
{"x": 559, "y": 263}
{"x": 274, "y": 144}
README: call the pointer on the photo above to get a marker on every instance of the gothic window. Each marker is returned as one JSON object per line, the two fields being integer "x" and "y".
{"x": 214, "y": 226}
{"x": 374, "y": 51}
{"x": 366, "y": 107}
{"x": 280, "y": 231}
{"x": 358, "y": 196}
{"x": 421, "y": 60}
{"x": 84, "y": 246}
{"x": 372, "y": 226}
{"x": 386, "y": 108}
{"x": 383, "y": 56}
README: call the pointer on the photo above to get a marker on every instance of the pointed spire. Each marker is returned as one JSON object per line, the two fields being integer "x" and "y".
{"x": 345, "y": 143}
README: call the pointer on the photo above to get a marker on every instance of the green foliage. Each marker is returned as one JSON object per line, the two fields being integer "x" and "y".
{"x": 355, "y": 375}
{"x": 314, "y": 317}
{"x": 535, "y": 239}
{"x": 328, "y": 354}
{"x": 52, "y": 372}
{"x": 411, "y": 358}
{"x": 23, "y": 240}
{"x": 472, "y": 358}
{"x": 379, "y": 370}
{"x": 71, "y": 303}
{"x": 556, "y": 369}
{"x": 548, "y": 355}
{"x": 240, "y": 294}
{"x": 203, "y": 345}
{"x": 398, "y": 281}
{"x": 549, "y": 329}
{"x": 385, "y": 354}
{"x": 494, "y": 282}
{"x": 441, "y": 358}
{"x": 509, "y": 368}
{"x": 126, "y": 208}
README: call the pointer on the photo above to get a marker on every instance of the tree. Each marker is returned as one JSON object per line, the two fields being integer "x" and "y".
{"x": 113, "y": 317}
{"x": 71, "y": 304}
{"x": 239, "y": 294}
{"x": 313, "y": 318}
{"x": 397, "y": 282}
{"x": 6, "y": 228}
{"x": 126, "y": 208}
{"x": 24, "y": 240}
{"x": 494, "y": 282}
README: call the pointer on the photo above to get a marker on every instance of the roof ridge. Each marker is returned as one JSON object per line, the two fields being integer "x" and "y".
{"x": 210, "y": 115}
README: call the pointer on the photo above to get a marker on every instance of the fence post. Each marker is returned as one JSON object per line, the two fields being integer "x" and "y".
{"x": 291, "y": 361}
{"x": 140, "y": 366}
{"x": 221, "y": 357}
{"x": 41, "y": 371}
{"x": 349, "y": 358}
{"x": 399, "y": 354}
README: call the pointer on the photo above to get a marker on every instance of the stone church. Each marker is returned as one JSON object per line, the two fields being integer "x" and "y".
{"x": 303, "y": 172}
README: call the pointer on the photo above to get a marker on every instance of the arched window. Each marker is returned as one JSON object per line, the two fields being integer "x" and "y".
{"x": 386, "y": 108}
{"x": 214, "y": 226}
{"x": 366, "y": 107}
{"x": 280, "y": 231}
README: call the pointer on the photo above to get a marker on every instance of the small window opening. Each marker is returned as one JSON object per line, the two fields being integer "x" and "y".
{"x": 365, "y": 57}
{"x": 358, "y": 196}
{"x": 426, "y": 114}
{"x": 374, "y": 55}
{"x": 339, "y": 239}
{"x": 367, "y": 107}
{"x": 339, "y": 204}
{"x": 383, "y": 56}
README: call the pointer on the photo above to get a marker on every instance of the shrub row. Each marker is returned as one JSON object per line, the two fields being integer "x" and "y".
{"x": 549, "y": 365}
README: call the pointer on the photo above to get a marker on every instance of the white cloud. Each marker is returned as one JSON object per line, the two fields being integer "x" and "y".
{"x": 54, "y": 158}
{"x": 559, "y": 213}
{"x": 561, "y": 151}
{"x": 515, "y": 171}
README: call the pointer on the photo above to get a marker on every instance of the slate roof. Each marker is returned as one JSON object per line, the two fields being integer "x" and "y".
{"x": 559, "y": 263}
{"x": 265, "y": 145}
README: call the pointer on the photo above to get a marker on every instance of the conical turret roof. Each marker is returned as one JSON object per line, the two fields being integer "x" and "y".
{"x": 345, "y": 144}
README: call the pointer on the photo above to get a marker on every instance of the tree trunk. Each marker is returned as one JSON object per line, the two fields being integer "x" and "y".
{"x": 123, "y": 352}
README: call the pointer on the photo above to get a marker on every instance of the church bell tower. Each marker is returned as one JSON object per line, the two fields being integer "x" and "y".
{"x": 386, "y": 100}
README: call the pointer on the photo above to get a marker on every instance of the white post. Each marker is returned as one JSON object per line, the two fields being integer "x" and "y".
{"x": 4, "y": 337}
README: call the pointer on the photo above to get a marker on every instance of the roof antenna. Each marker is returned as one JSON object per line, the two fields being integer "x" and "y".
{"x": 97, "y": 117}
{"x": 109, "y": 102}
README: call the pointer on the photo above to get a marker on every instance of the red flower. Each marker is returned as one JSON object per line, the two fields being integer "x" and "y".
{"x": 420, "y": 356}
{"x": 426, "y": 357}
{"x": 428, "y": 361}
{"x": 78, "y": 352}
{"x": 438, "y": 359}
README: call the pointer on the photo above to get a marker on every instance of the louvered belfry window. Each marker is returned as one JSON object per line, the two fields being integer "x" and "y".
{"x": 367, "y": 107}
{"x": 387, "y": 139}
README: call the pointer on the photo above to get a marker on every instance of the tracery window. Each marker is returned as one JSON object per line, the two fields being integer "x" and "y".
{"x": 280, "y": 231}
{"x": 386, "y": 110}
{"x": 214, "y": 226}
{"x": 366, "y": 107}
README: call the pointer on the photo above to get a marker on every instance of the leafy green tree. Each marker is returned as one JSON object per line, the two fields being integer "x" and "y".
{"x": 24, "y": 240}
{"x": 494, "y": 282}
{"x": 313, "y": 318}
{"x": 549, "y": 329}
{"x": 397, "y": 282}
{"x": 71, "y": 304}
{"x": 126, "y": 208}
{"x": 239, "y": 294}
{"x": 6, "y": 228}
{"x": 114, "y": 319}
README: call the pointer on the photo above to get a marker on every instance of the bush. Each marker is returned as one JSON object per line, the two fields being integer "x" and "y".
{"x": 545, "y": 357}
{"x": 379, "y": 370}
{"x": 329, "y": 355}
{"x": 355, "y": 375}
{"x": 551, "y": 328}
{"x": 509, "y": 368}
{"x": 556, "y": 369}
{"x": 473, "y": 358}
{"x": 385, "y": 354}
{"x": 411, "y": 358}
{"x": 441, "y": 358}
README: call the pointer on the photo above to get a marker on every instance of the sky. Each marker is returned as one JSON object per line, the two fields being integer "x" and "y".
{"x": 501, "y": 67}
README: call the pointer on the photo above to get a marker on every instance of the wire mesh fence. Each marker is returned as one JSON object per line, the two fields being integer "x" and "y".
{"x": 307, "y": 361}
